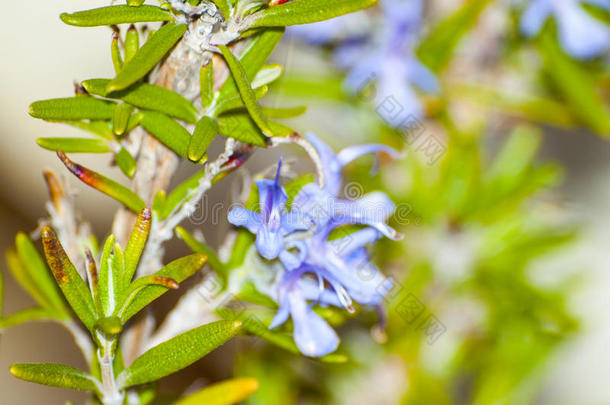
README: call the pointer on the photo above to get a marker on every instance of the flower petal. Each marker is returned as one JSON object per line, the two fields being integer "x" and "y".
{"x": 534, "y": 16}
{"x": 581, "y": 35}
{"x": 240, "y": 216}
{"x": 313, "y": 336}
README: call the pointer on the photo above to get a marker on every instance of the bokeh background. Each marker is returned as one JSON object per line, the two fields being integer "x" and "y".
{"x": 42, "y": 57}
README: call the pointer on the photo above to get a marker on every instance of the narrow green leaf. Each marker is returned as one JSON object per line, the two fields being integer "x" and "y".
{"x": 284, "y": 112}
{"x": 223, "y": 393}
{"x": 115, "y": 53}
{"x": 206, "y": 84}
{"x": 178, "y": 353}
{"x": 72, "y": 109}
{"x": 71, "y": 284}
{"x": 148, "y": 56}
{"x": 319, "y": 86}
{"x": 180, "y": 194}
{"x": 516, "y": 155}
{"x": 575, "y": 84}
{"x": 140, "y": 284}
{"x": 225, "y": 7}
{"x": 252, "y": 59}
{"x": 267, "y": 75}
{"x": 114, "y": 15}
{"x": 178, "y": 270}
{"x": 30, "y": 315}
{"x": 74, "y": 145}
{"x": 101, "y": 183}
{"x": 199, "y": 247}
{"x": 37, "y": 270}
{"x": 205, "y": 132}
{"x": 436, "y": 49}
{"x": 245, "y": 90}
{"x": 99, "y": 128}
{"x": 240, "y": 126}
{"x": 135, "y": 245}
{"x": 122, "y": 112}
{"x": 132, "y": 43}
{"x": 306, "y": 12}
{"x": 55, "y": 375}
{"x": 235, "y": 101}
{"x": 147, "y": 96}
{"x": 126, "y": 162}
{"x": 135, "y": 3}
{"x": 106, "y": 295}
{"x": 169, "y": 132}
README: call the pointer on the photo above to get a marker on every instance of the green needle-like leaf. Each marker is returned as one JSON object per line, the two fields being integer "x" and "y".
{"x": 306, "y": 12}
{"x": 70, "y": 282}
{"x": 135, "y": 245}
{"x": 147, "y": 96}
{"x": 575, "y": 84}
{"x": 240, "y": 126}
{"x": 223, "y": 393}
{"x": 104, "y": 184}
{"x": 30, "y": 315}
{"x": 252, "y": 59}
{"x": 72, "y": 109}
{"x": 38, "y": 272}
{"x": 55, "y": 375}
{"x": 245, "y": 90}
{"x": 436, "y": 49}
{"x": 235, "y": 101}
{"x": 198, "y": 247}
{"x": 132, "y": 43}
{"x": 284, "y": 112}
{"x": 122, "y": 113}
{"x": 99, "y": 128}
{"x": 74, "y": 145}
{"x": 108, "y": 280}
{"x": 179, "y": 194}
{"x": 109, "y": 326}
{"x": 148, "y": 56}
{"x": 206, "y": 83}
{"x": 115, "y": 53}
{"x": 126, "y": 162}
{"x": 177, "y": 353}
{"x": 178, "y": 270}
{"x": 114, "y": 15}
{"x": 205, "y": 132}
{"x": 267, "y": 75}
{"x": 169, "y": 132}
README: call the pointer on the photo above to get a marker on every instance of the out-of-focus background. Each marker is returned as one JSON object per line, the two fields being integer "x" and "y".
{"x": 42, "y": 57}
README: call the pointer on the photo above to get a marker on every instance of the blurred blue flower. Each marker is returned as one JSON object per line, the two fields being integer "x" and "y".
{"x": 317, "y": 267}
{"x": 385, "y": 58}
{"x": 581, "y": 35}
{"x": 272, "y": 223}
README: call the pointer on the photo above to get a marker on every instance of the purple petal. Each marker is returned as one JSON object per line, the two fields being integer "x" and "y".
{"x": 423, "y": 77}
{"x": 240, "y": 216}
{"x": 272, "y": 201}
{"x": 313, "y": 336}
{"x": 269, "y": 243}
{"x": 332, "y": 167}
{"x": 580, "y": 34}
{"x": 351, "y": 153}
{"x": 534, "y": 16}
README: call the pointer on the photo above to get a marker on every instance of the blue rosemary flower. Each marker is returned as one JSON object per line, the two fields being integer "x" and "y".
{"x": 581, "y": 35}
{"x": 272, "y": 223}
{"x": 320, "y": 268}
{"x": 386, "y": 58}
